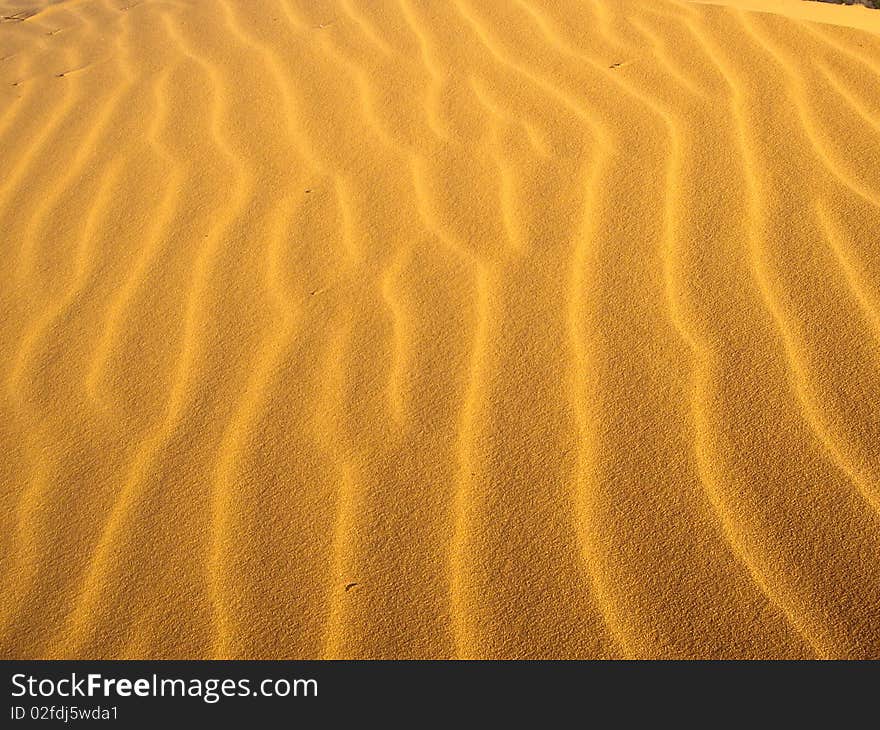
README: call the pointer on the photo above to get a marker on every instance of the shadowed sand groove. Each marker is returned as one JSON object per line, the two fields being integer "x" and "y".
{"x": 475, "y": 329}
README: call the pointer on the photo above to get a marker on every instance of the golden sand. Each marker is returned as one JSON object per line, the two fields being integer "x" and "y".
{"x": 452, "y": 328}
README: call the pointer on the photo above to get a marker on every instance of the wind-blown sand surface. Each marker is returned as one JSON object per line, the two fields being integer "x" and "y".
{"x": 479, "y": 328}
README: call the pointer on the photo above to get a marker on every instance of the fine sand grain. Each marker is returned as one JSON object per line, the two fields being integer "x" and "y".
{"x": 451, "y": 328}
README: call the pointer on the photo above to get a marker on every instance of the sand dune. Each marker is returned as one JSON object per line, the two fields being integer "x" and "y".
{"x": 473, "y": 329}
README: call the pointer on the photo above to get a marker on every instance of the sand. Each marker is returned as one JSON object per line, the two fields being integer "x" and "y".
{"x": 476, "y": 329}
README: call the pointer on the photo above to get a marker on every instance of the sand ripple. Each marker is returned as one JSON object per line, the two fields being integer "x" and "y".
{"x": 467, "y": 329}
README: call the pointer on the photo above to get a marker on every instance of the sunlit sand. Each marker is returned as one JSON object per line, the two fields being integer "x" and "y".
{"x": 434, "y": 329}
